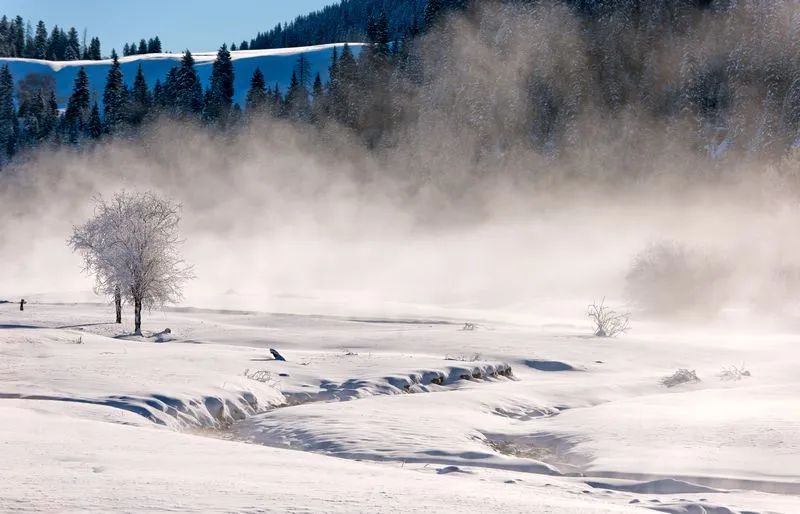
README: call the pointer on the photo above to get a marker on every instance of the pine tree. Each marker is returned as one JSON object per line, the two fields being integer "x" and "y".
{"x": 297, "y": 104}
{"x": 142, "y": 49}
{"x": 40, "y": 43}
{"x": 114, "y": 97}
{"x": 187, "y": 88}
{"x": 32, "y": 113}
{"x": 50, "y": 115}
{"x": 257, "y": 94}
{"x": 126, "y": 50}
{"x": 94, "y": 127}
{"x": 344, "y": 90}
{"x": 94, "y": 49}
{"x": 303, "y": 69}
{"x": 28, "y": 43}
{"x": 73, "y": 50}
{"x": 77, "y": 111}
{"x": 140, "y": 99}
{"x": 219, "y": 97}
{"x": 318, "y": 108}
{"x": 56, "y": 44}
{"x": 158, "y": 95}
{"x": 153, "y": 46}
{"x": 6, "y": 35}
{"x": 8, "y": 117}
{"x": 433, "y": 11}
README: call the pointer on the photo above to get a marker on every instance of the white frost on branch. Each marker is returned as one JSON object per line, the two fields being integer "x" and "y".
{"x": 132, "y": 243}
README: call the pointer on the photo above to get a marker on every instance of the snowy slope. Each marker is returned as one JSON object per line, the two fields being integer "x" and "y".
{"x": 370, "y": 415}
{"x": 276, "y": 64}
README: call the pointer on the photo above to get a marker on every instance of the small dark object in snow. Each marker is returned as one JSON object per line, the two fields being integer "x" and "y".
{"x": 449, "y": 469}
{"x": 167, "y": 331}
{"x": 22, "y": 304}
{"x": 509, "y": 482}
{"x": 283, "y": 374}
{"x": 278, "y": 356}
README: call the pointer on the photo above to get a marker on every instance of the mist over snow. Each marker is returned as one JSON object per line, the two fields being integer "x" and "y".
{"x": 545, "y": 262}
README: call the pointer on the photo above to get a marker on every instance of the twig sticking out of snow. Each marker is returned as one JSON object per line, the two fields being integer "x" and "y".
{"x": 607, "y": 322}
{"x": 682, "y": 376}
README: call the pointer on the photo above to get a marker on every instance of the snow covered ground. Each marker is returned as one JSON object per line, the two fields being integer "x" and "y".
{"x": 383, "y": 415}
{"x": 276, "y": 64}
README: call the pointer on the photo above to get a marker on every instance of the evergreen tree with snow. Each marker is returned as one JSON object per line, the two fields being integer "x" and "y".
{"x": 76, "y": 114}
{"x": 114, "y": 97}
{"x": 140, "y": 100}
{"x": 51, "y": 116}
{"x": 219, "y": 97}
{"x": 344, "y": 89}
{"x": 8, "y": 117}
{"x": 318, "y": 107}
{"x": 56, "y": 44}
{"x": 297, "y": 104}
{"x": 142, "y": 49}
{"x": 188, "y": 91}
{"x": 94, "y": 52}
{"x": 94, "y": 128}
{"x": 158, "y": 96}
{"x": 433, "y": 11}
{"x": 257, "y": 94}
{"x": 154, "y": 45}
{"x": 40, "y": 41}
{"x": 73, "y": 48}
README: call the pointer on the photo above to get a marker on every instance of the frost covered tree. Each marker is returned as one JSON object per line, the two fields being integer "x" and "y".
{"x": 131, "y": 246}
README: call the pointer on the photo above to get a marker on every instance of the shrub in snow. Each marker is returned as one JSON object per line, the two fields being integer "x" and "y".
{"x": 682, "y": 376}
{"x": 607, "y": 322}
{"x": 734, "y": 373}
{"x": 468, "y": 327}
{"x": 261, "y": 375}
{"x": 131, "y": 246}
{"x": 463, "y": 358}
{"x": 670, "y": 278}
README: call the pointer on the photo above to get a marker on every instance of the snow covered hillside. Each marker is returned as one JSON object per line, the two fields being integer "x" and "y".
{"x": 381, "y": 415}
{"x": 276, "y": 64}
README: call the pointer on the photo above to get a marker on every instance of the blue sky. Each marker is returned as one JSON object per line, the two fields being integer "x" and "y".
{"x": 195, "y": 24}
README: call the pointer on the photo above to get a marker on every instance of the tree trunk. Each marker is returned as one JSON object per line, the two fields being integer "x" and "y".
{"x": 118, "y": 304}
{"x": 137, "y": 314}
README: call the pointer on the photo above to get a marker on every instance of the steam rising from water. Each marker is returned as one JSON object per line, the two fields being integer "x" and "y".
{"x": 457, "y": 217}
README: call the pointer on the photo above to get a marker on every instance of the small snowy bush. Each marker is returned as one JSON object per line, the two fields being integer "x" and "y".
{"x": 734, "y": 373}
{"x": 607, "y": 322}
{"x": 670, "y": 278}
{"x": 262, "y": 375}
{"x": 682, "y": 376}
{"x": 463, "y": 358}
